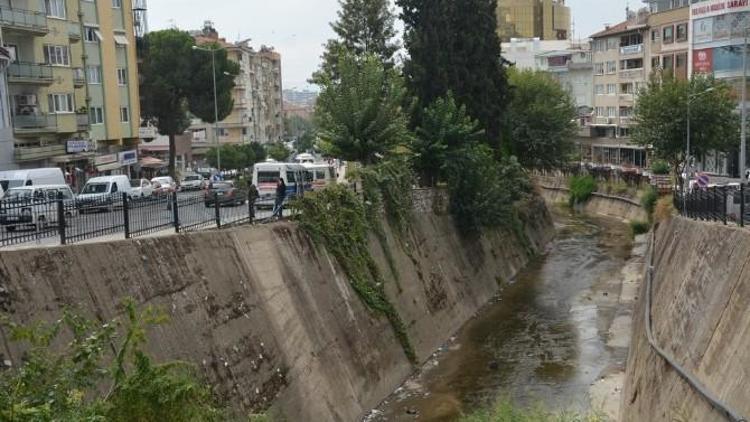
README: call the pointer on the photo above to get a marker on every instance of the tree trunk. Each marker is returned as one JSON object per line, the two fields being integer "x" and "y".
{"x": 172, "y": 156}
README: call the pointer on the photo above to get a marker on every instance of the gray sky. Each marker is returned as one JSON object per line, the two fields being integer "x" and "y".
{"x": 298, "y": 28}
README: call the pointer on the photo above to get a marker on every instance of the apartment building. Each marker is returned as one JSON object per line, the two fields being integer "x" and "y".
{"x": 619, "y": 59}
{"x": 257, "y": 115}
{"x": 72, "y": 101}
{"x": 543, "y": 19}
{"x": 668, "y": 44}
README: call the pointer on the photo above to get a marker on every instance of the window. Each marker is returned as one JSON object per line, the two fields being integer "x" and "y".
{"x": 94, "y": 74}
{"x": 124, "y": 114}
{"x": 668, "y": 32}
{"x": 600, "y": 112}
{"x": 55, "y": 8}
{"x": 611, "y": 89}
{"x": 611, "y": 112}
{"x": 60, "y": 103}
{"x": 613, "y": 43}
{"x": 655, "y": 62}
{"x": 630, "y": 64}
{"x": 96, "y": 115}
{"x": 117, "y": 4}
{"x": 655, "y": 36}
{"x": 612, "y": 67}
{"x": 668, "y": 63}
{"x": 599, "y": 89}
{"x": 599, "y": 68}
{"x": 122, "y": 76}
{"x": 90, "y": 34}
{"x": 682, "y": 32}
{"x": 57, "y": 55}
{"x": 626, "y": 88}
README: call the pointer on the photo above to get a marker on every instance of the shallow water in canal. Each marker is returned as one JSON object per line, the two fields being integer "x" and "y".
{"x": 543, "y": 340}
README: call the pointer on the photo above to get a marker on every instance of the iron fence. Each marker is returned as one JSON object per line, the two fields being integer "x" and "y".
{"x": 718, "y": 203}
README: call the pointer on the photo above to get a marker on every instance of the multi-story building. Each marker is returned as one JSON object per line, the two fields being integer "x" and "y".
{"x": 257, "y": 115}
{"x": 72, "y": 101}
{"x": 544, "y": 19}
{"x": 668, "y": 44}
{"x": 574, "y": 70}
{"x": 522, "y": 52}
{"x": 619, "y": 58}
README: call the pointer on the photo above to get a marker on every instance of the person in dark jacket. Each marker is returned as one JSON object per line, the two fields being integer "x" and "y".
{"x": 280, "y": 196}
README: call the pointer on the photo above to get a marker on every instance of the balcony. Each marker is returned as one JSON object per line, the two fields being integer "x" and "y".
{"x": 74, "y": 31}
{"x": 79, "y": 78}
{"x": 631, "y": 49}
{"x": 82, "y": 121}
{"x": 603, "y": 121}
{"x": 30, "y": 73}
{"x": 34, "y": 123}
{"x": 632, "y": 74}
{"x": 625, "y": 120}
{"x": 27, "y": 21}
{"x": 38, "y": 152}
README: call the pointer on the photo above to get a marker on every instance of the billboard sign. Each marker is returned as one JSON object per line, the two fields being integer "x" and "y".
{"x": 703, "y": 60}
{"x": 718, "y": 7}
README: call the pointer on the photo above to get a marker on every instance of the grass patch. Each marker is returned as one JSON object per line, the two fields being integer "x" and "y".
{"x": 664, "y": 209}
{"x": 639, "y": 227}
{"x": 581, "y": 188}
{"x": 506, "y": 411}
{"x": 648, "y": 200}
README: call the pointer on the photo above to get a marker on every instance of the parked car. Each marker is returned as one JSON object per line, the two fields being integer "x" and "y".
{"x": 225, "y": 194}
{"x": 141, "y": 188}
{"x": 103, "y": 193}
{"x": 31, "y": 177}
{"x": 35, "y": 207}
{"x": 193, "y": 182}
{"x": 163, "y": 185}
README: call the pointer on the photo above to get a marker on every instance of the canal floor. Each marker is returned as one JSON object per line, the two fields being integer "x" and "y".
{"x": 547, "y": 339}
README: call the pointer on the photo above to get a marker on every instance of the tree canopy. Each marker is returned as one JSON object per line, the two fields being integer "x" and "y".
{"x": 237, "y": 156}
{"x": 360, "y": 114}
{"x": 539, "y": 120}
{"x": 278, "y": 151}
{"x": 444, "y": 129}
{"x": 661, "y": 117}
{"x": 201, "y": 96}
{"x": 363, "y": 27}
{"x": 453, "y": 47}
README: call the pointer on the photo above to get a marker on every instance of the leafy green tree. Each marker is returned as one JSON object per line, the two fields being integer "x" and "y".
{"x": 99, "y": 375}
{"x": 201, "y": 95}
{"x": 167, "y": 69}
{"x": 661, "y": 118}
{"x": 363, "y": 27}
{"x": 445, "y": 127}
{"x": 302, "y": 131}
{"x": 540, "y": 120}
{"x": 360, "y": 114}
{"x": 278, "y": 151}
{"x": 237, "y": 157}
{"x": 453, "y": 47}
{"x": 178, "y": 79}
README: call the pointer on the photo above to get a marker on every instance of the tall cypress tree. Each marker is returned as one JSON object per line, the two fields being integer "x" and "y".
{"x": 363, "y": 27}
{"x": 453, "y": 47}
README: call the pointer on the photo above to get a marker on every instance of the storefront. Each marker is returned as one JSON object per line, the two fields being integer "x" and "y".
{"x": 79, "y": 153}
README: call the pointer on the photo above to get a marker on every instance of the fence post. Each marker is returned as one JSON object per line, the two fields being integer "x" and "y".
{"x": 217, "y": 211}
{"x": 126, "y": 215}
{"x": 251, "y": 206}
{"x": 175, "y": 212}
{"x": 714, "y": 217}
{"x": 742, "y": 204}
{"x": 61, "y": 223}
{"x": 724, "y": 207}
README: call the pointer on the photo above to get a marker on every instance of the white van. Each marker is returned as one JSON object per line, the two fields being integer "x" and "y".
{"x": 266, "y": 176}
{"x": 321, "y": 175}
{"x": 35, "y": 206}
{"x": 104, "y": 192}
{"x": 31, "y": 177}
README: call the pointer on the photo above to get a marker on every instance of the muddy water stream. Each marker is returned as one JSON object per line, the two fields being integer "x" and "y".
{"x": 544, "y": 340}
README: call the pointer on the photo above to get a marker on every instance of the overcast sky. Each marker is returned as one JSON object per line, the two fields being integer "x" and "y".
{"x": 298, "y": 28}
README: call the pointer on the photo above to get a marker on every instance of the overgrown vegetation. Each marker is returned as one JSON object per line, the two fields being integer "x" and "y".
{"x": 664, "y": 209}
{"x": 639, "y": 227}
{"x": 660, "y": 167}
{"x": 78, "y": 370}
{"x": 506, "y": 411}
{"x": 336, "y": 218}
{"x": 648, "y": 200}
{"x": 581, "y": 189}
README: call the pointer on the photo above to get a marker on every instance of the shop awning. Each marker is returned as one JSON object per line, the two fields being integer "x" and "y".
{"x": 151, "y": 162}
{"x": 109, "y": 166}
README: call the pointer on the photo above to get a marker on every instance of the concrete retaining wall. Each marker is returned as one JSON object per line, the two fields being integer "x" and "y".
{"x": 700, "y": 317}
{"x": 268, "y": 316}
{"x": 607, "y": 205}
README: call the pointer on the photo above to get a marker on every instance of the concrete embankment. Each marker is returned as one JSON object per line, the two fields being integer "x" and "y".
{"x": 268, "y": 316}
{"x": 701, "y": 288}
{"x": 607, "y": 205}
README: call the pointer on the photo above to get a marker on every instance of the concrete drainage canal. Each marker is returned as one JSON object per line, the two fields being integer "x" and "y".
{"x": 556, "y": 335}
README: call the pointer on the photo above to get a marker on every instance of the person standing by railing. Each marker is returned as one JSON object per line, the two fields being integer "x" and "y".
{"x": 278, "y": 208}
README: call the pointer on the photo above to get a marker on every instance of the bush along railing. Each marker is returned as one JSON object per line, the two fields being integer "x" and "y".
{"x": 59, "y": 220}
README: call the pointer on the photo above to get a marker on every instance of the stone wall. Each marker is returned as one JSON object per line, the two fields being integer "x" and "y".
{"x": 269, "y": 317}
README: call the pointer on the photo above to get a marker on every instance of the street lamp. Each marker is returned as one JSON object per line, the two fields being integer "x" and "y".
{"x": 216, "y": 102}
{"x": 743, "y": 129}
{"x": 690, "y": 99}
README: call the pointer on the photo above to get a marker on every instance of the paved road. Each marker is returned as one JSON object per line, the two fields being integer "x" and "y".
{"x": 146, "y": 217}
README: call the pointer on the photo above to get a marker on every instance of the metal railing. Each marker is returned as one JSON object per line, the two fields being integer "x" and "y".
{"x": 52, "y": 221}
{"x": 23, "y": 19}
{"x": 30, "y": 71}
{"x": 719, "y": 203}
{"x": 35, "y": 121}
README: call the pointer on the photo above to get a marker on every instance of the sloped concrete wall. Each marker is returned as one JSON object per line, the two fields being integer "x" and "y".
{"x": 268, "y": 316}
{"x": 606, "y": 205}
{"x": 701, "y": 292}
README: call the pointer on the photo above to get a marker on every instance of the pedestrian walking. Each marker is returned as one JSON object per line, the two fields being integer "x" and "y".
{"x": 278, "y": 208}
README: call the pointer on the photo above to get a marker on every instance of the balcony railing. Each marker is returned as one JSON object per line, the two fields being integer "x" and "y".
{"x": 31, "y": 73}
{"x": 631, "y": 49}
{"x": 74, "y": 31}
{"x": 23, "y": 20}
{"x": 82, "y": 120}
{"x": 603, "y": 120}
{"x": 35, "y": 122}
{"x": 79, "y": 78}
